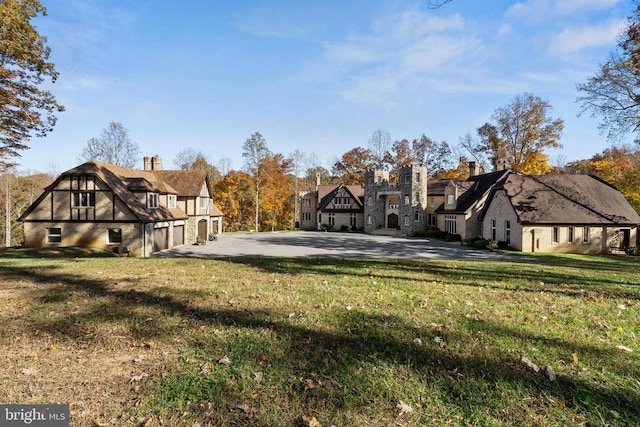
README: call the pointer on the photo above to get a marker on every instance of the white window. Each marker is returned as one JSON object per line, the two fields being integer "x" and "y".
{"x": 507, "y": 232}
{"x": 369, "y": 219}
{"x": 203, "y": 205}
{"x": 493, "y": 229}
{"x": 450, "y": 224}
{"x": 172, "y": 201}
{"x": 585, "y": 234}
{"x": 84, "y": 199}
{"x": 570, "y": 234}
{"x": 407, "y": 200}
{"x": 114, "y": 236}
{"x": 152, "y": 200}
{"x": 353, "y": 219}
{"x": 450, "y": 199}
{"x": 332, "y": 219}
{"x": 370, "y": 201}
{"x": 54, "y": 235}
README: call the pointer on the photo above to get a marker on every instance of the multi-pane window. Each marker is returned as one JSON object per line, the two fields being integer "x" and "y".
{"x": 353, "y": 219}
{"x": 54, "y": 235}
{"x": 585, "y": 234}
{"x": 554, "y": 238}
{"x": 493, "y": 229}
{"x": 203, "y": 205}
{"x": 84, "y": 199}
{"x": 114, "y": 236}
{"x": 153, "y": 200}
{"x": 431, "y": 220}
{"x": 450, "y": 199}
{"x": 306, "y": 203}
{"x": 332, "y": 219}
{"x": 306, "y": 216}
{"x": 172, "y": 201}
{"x": 450, "y": 224}
{"x": 507, "y": 232}
{"x": 570, "y": 234}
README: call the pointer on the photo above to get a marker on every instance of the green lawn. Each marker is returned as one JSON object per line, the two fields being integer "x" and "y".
{"x": 302, "y": 342}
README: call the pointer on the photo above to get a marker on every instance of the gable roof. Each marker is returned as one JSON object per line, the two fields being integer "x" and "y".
{"x": 474, "y": 189}
{"x": 123, "y": 182}
{"x": 329, "y": 191}
{"x": 567, "y": 199}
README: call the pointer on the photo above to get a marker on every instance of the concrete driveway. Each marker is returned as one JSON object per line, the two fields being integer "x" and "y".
{"x": 328, "y": 245}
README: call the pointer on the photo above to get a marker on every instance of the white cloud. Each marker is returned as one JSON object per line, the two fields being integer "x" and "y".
{"x": 397, "y": 55}
{"x": 574, "y": 39}
{"x": 504, "y": 30}
{"x": 541, "y": 10}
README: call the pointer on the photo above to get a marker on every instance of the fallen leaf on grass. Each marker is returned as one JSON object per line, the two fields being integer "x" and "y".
{"x": 225, "y": 360}
{"x": 137, "y": 378}
{"x": 27, "y": 371}
{"x": 530, "y": 364}
{"x": 309, "y": 384}
{"x": 243, "y": 407}
{"x": 624, "y": 348}
{"x": 575, "y": 358}
{"x": 404, "y": 408}
{"x": 311, "y": 422}
{"x": 559, "y": 403}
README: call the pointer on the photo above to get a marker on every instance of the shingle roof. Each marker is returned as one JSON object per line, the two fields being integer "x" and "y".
{"x": 186, "y": 182}
{"x": 567, "y": 199}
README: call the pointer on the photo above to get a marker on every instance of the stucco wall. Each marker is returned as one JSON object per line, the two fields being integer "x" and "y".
{"x": 82, "y": 234}
{"x": 501, "y": 211}
{"x": 540, "y": 239}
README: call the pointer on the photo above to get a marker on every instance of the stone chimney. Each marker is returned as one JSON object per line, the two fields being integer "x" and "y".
{"x": 474, "y": 169}
{"x": 147, "y": 163}
{"x": 156, "y": 163}
{"x": 500, "y": 164}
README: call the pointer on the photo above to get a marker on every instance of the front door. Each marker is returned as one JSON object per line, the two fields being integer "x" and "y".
{"x": 392, "y": 221}
{"x": 626, "y": 238}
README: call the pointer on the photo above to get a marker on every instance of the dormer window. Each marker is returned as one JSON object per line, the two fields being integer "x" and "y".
{"x": 152, "y": 200}
{"x": 450, "y": 199}
{"x": 172, "y": 201}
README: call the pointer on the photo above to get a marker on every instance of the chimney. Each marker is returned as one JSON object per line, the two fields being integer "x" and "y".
{"x": 147, "y": 163}
{"x": 317, "y": 180}
{"x": 156, "y": 163}
{"x": 474, "y": 169}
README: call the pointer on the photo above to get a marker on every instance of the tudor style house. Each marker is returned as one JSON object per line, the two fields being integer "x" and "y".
{"x": 131, "y": 211}
{"x": 338, "y": 206}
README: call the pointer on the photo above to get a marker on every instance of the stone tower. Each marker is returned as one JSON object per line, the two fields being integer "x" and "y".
{"x": 397, "y": 208}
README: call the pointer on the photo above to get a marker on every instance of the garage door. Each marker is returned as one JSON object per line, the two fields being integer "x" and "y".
{"x": 178, "y": 235}
{"x": 160, "y": 238}
{"x": 202, "y": 229}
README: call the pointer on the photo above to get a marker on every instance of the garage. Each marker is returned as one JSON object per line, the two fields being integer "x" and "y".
{"x": 178, "y": 235}
{"x": 160, "y": 238}
{"x": 202, "y": 229}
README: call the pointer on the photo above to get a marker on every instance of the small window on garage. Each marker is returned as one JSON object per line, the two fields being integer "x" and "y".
{"x": 54, "y": 235}
{"x": 114, "y": 236}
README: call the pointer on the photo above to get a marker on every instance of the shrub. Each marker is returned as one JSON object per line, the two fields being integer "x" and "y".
{"x": 503, "y": 245}
{"x": 453, "y": 237}
{"x": 420, "y": 233}
{"x": 480, "y": 243}
{"x": 344, "y": 228}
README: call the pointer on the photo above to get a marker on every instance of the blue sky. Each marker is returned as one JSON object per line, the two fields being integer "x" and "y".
{"x": 318, "y": 76}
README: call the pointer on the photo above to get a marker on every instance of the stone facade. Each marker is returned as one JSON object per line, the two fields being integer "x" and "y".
{"x": 396, "y": 208}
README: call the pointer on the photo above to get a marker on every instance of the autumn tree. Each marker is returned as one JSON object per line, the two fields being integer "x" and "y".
{"x": 276, "y": 198}
{"x": 352, "y": 165}
{"x": 25, "y": 108}
{"x": 613, "y": 92}
{"x": 114, "y": 146}
{"x": 520, "y": 132}
{"x": 234, "y": 196}
{"x": 190, "y": 159}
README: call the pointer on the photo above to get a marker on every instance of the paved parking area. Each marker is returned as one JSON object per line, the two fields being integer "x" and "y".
{"x": 328, "y": 245}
